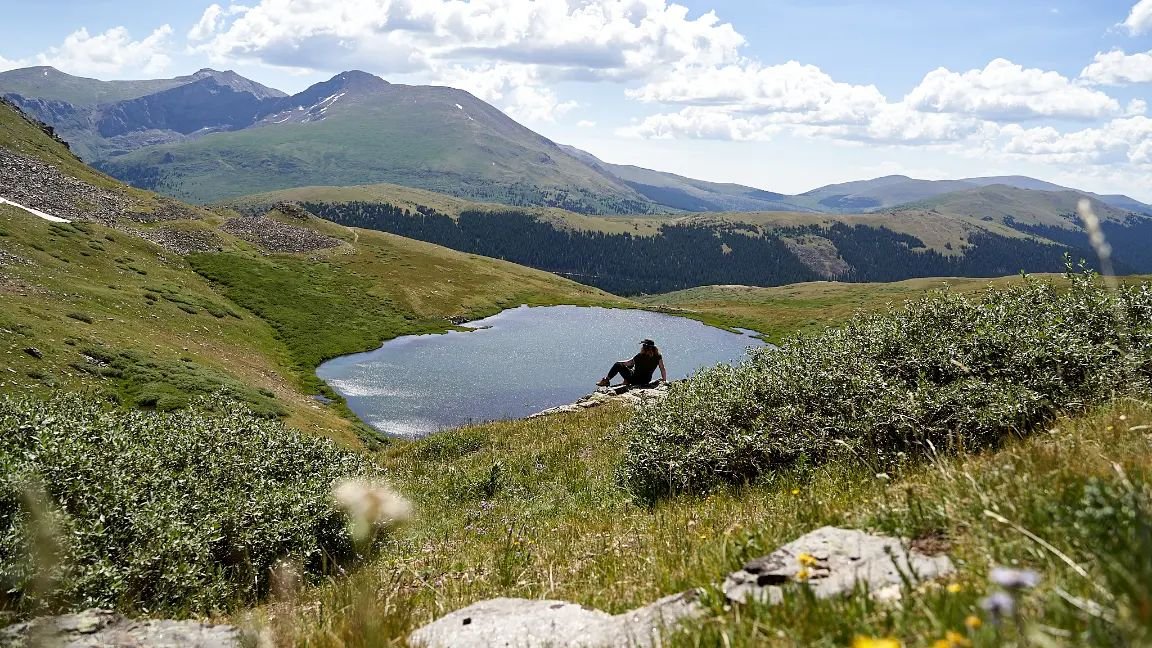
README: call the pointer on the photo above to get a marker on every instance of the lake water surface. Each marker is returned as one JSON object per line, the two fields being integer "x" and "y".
{"x": 514, "y": 364}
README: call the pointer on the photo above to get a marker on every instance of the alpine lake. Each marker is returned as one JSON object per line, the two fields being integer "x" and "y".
{"x": 514, "y": 364}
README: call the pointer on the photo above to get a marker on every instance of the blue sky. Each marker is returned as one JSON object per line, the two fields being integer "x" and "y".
{"x": 785, "y": 95}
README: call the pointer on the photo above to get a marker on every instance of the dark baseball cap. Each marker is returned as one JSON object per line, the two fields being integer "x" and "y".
{"x": 647, "y": 342}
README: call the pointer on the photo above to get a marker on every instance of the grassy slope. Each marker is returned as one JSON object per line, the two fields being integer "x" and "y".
{"x": 377, "y": 288}
{"x": 85, "y": 288}
{"x": 411, "y": 135}
{"x": 50, "y": 83}
{"x": 780, "y": 311}
{"x": 937, "y": 233}
{"x": 531, "y": 509}
{"x": 1001, "y": 202}
{"x": 412, "y": 199}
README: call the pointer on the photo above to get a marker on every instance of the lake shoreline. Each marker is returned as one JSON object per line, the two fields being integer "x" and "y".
{"x": 512, "y": 364}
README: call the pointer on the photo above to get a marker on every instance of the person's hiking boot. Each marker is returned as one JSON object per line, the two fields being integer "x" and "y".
{"x": 603, "y": 383}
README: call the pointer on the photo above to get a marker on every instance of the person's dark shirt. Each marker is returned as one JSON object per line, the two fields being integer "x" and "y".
{"x": 642, "y": 368}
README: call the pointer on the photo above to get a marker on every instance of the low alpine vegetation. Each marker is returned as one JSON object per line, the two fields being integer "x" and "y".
{"x": 947, "y": 373}
{"x": 185, "y": 511}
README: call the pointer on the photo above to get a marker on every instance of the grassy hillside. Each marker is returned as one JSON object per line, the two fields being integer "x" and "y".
{"x": 535, "y": 509}
{"x": 97, "y": 307}
{"x": 45, "y": 82}
{"x": 878, "y": 193}
{"x": 422, "y": 200}
{"x": 806, "y": 307}
{"x": 1004, "y": 204}
{"x": 369, "y": 131}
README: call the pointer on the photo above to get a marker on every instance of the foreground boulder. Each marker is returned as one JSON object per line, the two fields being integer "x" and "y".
{"x": 105, "y": 629}
{"x": 831, "y": 562}
{"x": 521, "y": 623}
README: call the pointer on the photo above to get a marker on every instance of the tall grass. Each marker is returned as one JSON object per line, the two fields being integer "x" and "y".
{"x": 558, "y": 526}
{"x": 945, "y": 374}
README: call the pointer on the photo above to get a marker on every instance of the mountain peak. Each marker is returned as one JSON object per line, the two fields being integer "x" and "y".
{"x": 358, "y": 80}
{"x": 231, "y": 79}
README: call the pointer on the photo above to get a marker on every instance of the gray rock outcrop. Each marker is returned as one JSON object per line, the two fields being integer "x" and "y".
{"x": 181, "y": 241}
{"x": 522, "y": 623}
{"x": 105, "y": 629}
{"x": 632, "y": 396}
{"x": 832, "y": 561}
{"x": 273, "y": 236}
{"x": 42, "y": 186}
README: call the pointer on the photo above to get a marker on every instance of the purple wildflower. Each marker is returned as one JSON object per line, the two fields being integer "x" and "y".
{"x": 1014, "y": 579}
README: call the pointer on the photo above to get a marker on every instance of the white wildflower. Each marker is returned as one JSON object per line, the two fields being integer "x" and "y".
{"x": 370, "y": 504}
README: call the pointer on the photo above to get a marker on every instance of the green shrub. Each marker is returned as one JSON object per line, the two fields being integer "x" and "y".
{"x": 164, "y": 385}
{"x": 81, "y": 317}
{"x": 183, "y": 512}
{"x": 945, "y": 374}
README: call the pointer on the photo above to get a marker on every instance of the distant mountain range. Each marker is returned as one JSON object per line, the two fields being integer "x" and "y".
{"x": 216, "y": 135}
{"x": 981, "y": 231}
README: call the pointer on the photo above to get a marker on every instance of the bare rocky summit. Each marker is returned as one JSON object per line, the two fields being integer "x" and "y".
{"x": 273, "y": 236}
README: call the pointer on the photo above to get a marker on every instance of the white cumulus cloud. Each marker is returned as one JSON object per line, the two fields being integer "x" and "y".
{"x": 1118, "y": 68}
{"x": 516, "y": 87}
{"x": 109, "y": 53}
{"x": 590, "y": 38}
{"x": 9, "y": 64}
{"x": 805, "y": 91}
{"x": 1140, "y": 18}
{"x": 1126, "y": 140}
{"x": 1004, "y": 91}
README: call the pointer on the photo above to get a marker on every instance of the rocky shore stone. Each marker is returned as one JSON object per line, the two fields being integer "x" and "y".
{"x": 632, "y": 396}
{"x": 522, "y": 623}
{"x": 97, "y": 628}
{"x": 831, "y": 562}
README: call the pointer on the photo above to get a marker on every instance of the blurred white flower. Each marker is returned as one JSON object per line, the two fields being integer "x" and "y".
{"x": 370, "y": 504}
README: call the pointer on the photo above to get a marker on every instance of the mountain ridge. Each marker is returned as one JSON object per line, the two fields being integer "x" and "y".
{"x": 189, "y": 136}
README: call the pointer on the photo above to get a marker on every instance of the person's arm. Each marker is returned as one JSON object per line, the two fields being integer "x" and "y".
{"x": 663, "y": 372}
{"x": 630, "y": 363}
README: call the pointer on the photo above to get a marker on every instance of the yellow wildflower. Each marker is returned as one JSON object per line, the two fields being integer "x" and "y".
{"x": 803, "y": 574}
{"x": 874, "y": 642}
{"x": 973, "y": 622}
{"x": 795, "y": 491}
{"x": 955, "y": 588}
{"x": 956, "y": 640}
{"x": 807, "y": 560}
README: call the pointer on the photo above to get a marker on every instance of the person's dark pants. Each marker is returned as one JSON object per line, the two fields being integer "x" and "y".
{"x": 623, "y": 370}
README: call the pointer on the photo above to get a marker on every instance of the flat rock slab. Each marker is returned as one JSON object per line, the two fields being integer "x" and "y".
{"x": 632, "y": 396}
{"x": 522, "y": 623}
{"x": 105, "y": 629}
{"x": 832, "y": 562}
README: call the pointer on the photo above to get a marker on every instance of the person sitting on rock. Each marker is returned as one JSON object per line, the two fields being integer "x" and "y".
{"x": 638, "y": 370}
